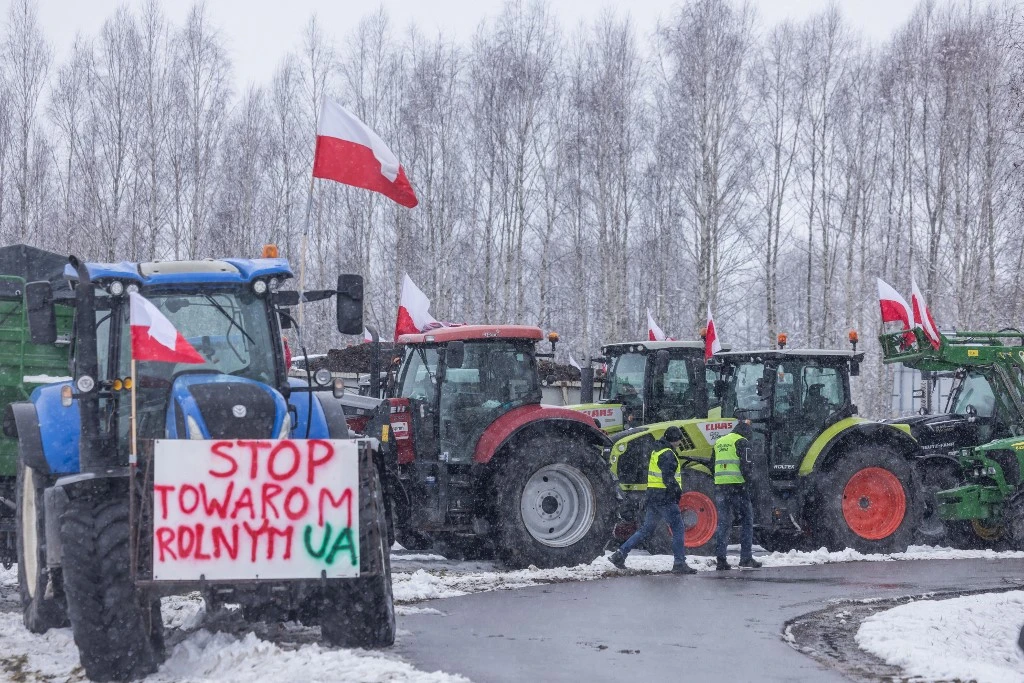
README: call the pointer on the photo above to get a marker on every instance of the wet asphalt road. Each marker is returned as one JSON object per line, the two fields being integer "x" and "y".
{"x": 708, "y": 627}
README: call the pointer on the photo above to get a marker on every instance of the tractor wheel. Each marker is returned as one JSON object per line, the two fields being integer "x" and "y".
{"x": 700, "y": 516}
{"x": 869, "y": 500}
{"x": 1013, "y": 522}
{"x": 117, "y": 631}
{"x": 361, "y": 612}
{"x": 935, "y": 477}
{"x": 555, "y": 501}
{"x": 42, "y": 593}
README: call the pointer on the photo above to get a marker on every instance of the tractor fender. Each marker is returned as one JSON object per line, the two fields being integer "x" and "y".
{"x": 514, "y": 423}
{"x": 21, "y": 421}
{"x": 850, "y": 430}
{"x": 59, "y": 428}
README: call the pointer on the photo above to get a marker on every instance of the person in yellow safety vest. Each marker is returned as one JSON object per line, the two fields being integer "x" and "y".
{"x": 664, "y": 488}
{"x": 732, "y": 462}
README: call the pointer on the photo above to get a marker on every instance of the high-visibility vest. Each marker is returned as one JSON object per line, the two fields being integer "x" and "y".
{"x": 727, "y": 460}
{"x": 654, "y": 478}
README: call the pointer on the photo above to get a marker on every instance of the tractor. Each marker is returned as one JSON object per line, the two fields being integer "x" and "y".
{"x": 824, "y": 476}
{"x": 480, "y": 467}
{"x": 649, "y": 381}
{"x": 971, "y": 461}
{"x": 86, "y": 501}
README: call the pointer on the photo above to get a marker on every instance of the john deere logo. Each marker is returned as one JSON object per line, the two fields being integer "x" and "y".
{"x": 1019, "y": 446}
{"x": 238, "y": 411}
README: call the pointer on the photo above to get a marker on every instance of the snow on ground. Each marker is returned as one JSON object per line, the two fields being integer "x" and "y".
{"x": 968, "y": 638}
{"x": 426, "y": 577}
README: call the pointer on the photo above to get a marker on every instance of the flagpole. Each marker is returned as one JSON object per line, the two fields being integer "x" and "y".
{"x": 133, "y": 460}
{"x": 304, "y": 248}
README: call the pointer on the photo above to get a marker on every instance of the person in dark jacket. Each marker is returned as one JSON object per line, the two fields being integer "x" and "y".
{"x": 664, "y": 488}
{"x": 733, "y": 467}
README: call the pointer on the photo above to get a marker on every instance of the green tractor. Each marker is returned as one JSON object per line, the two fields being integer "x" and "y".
{"x": 649, "y": 381}
{"x": 824, "y": 476}
{"x": 974, "y": 455}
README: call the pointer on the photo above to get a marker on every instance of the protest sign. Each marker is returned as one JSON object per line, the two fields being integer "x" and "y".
{"x": 255, "y": 509}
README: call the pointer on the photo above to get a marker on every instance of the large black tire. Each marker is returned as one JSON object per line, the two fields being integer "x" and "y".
{"x": 117, "y": 630}
{"x": 361, "y": 612}
{"x": 700, "y": 517}
{"x": 555, "y": 502}
{"x": 42, "y": 595}
{"x": 935, "y": 476}
{"x": 1013, "y": 522}
{"x": 868, "y": 499}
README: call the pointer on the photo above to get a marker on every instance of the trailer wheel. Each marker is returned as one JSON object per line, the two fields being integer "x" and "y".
{"x": 869, "y": 500}
{"x": 555, "y": 500}
{"x": 42, "y": 593}
{"x": 361, "y": 612}
{"x": 117, "y": 631}
{"x": 700, "y": 517}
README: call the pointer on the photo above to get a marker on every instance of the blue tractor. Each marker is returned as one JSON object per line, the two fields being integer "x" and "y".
{"x": 85, "y": 512}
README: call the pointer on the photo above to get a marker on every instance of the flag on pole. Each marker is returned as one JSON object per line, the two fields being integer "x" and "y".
{"x": 922, "y": 316}
{"x": 349, "y": 152}
{"x": 654, "y": 333}
{"x": 894, "y": 306}
{"x": 154, "y": 337}
{"x": 711, "y": 343}
{"x": 413, "y": 310}
{"x": 572, "y": 362}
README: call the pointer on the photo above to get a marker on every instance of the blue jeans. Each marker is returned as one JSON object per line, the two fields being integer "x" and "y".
{"x": 654, "y": 514}
{"x": 733, "y": 501}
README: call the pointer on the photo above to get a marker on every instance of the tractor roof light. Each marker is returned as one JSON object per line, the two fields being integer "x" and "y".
{"x": 270, "y": 251}
{"x": 552, "y": 337}
{"x": 704, "y": 333}
{"x": 782, "y": 339}
{"x": 116, "y": 288}
{"x": 854, "y": 339}
{"x": 260, "y": 287}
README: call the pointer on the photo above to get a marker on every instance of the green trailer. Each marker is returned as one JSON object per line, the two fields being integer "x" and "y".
{"x": 24, "y": 365}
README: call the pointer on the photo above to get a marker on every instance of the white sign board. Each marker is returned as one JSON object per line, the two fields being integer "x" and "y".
{"x": 255, "y": 509}
{"x": 714, "y": 430}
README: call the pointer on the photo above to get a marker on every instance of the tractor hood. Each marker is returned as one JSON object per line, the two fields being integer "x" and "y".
{"x": 939, "y": 434}
{"x": 206, "y": 405}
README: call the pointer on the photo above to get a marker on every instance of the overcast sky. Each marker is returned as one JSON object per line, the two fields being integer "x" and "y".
{"x": 260, "y": 32}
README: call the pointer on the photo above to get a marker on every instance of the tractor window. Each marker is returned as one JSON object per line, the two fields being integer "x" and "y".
{"x": 975, "y": 391}
{"x": 821, "y": 393}
{"x": 625, "y": 383}
{"x": 419, "y": 375}
{"x": 676, "y": 396}
{"x": 743, "y": 396}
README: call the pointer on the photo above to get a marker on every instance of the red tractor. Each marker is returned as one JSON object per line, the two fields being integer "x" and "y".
{"x": 478, "y": 467}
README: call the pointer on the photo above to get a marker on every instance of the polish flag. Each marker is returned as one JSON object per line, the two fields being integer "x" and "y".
{"x": 894, "y": 306}
{"x": 922, "y": 316}
{"x": 654, "y": 333}
{"x": 711, "y": 343}
{"x": 154, "y": 337}
{"x": 349, "y": 152}
{"x": 413, "y": 310}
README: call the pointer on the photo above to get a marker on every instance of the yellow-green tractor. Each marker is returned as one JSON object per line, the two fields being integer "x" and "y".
{"x": 649, "y": 381}
{"x": 823, "y": 475}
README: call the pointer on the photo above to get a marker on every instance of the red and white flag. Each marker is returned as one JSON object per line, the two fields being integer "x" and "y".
{"x": 894, "y": 307}
{"x": 413, "y": 310}
{"x": 922, "y": 316}
{"x": 711, "y": 343}
{"x": 349, "y": 152}
{"x": 154, "y": 337}
{"x": 654, "y": 333}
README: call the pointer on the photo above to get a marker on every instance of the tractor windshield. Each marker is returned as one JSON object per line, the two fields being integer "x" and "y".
{"x": 230, "y": 329}
{"x": 418, "y": 377}
{"x": 743, "y": 398}
{"x": 625, "y": 382}
{"x": 975, "y": 391}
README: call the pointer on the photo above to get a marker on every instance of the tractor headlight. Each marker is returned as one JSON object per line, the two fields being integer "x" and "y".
{"x": 322, "y": 377}
{"x": 194, "y": 432}
{"x": 286, "y": 427}
{"x": 620, "y": 448}
{"x": 275, "y": 284}
{"x": 260, "y": 287}
{"x": 85, "y": 384}
{"x": 116, "y": 288}
{"x": 132, "y": 288}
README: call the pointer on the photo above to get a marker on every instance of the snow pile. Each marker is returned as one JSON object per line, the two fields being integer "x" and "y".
{"x": 25, "y": 656}
{"x": 206, "y": 656}
{"x": 428, "y": 577}
{"x": 968, "y": 638}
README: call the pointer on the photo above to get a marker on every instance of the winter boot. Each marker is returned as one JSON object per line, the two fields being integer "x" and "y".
{"x": 750, "y": 563}
{"x": 618, "y": 559}
{"x": 722, "y": 564}
{"x": 683, "y": 568}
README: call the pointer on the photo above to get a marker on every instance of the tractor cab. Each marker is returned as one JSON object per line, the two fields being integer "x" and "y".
{"x": 457, "y": 381}
{"x": 652, "y": 382}
{"x": 790, "y": 397}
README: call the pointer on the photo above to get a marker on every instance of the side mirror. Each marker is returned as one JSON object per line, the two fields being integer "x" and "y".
{"x": 455, "y": 354}
{"x": 972, "y": 414}
{"x": 350, "y": 304}
{"x": 661, "y": 362}
{"x": 42, "y": 318}
{"x": 854, "y": 368}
